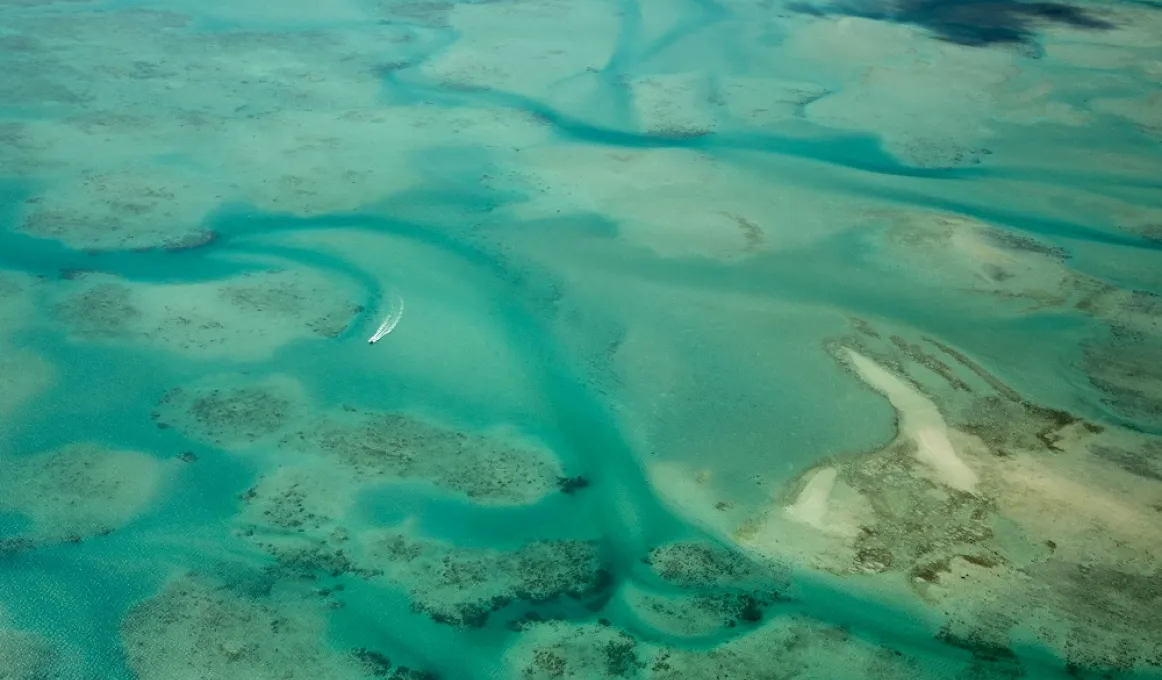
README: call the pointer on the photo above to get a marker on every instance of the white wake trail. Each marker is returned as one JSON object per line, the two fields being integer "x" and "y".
{"x": 388, "y": 324}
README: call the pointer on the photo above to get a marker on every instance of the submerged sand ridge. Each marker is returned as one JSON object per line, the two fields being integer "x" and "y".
{"x": 24, "y": 373}
{"x": 28, "y": 655}
{"x": 79, "y": 491}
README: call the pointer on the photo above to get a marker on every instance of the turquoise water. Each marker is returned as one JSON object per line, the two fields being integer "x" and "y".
{"x": 741, "y": 340}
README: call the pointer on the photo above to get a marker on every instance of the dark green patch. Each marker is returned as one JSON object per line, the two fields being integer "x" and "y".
{"x": 917, "y": 353}
{"x": 569, "y": 485}
{"x": 1018, "y": 242}
{"x": 1146, "y": 463}
{"x": 548, "y": 662}
{"x": 749, "y": 610}
{"x": 621, "y": 656}
{"x": 380, "y": 666}
{"x": 930, "y": 571}
{"x": 985, "y": 561}
{"x": 981, "y": 649}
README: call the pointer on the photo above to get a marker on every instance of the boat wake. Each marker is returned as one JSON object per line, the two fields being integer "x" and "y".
{"x": 389, "y": 323}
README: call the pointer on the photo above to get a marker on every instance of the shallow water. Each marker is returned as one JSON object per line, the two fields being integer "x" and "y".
{"x": 741, "y": 340}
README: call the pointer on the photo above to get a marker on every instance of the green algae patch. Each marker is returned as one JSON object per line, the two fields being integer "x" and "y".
{"x": 464, "y": 586}
{"x": 787, "y": 647}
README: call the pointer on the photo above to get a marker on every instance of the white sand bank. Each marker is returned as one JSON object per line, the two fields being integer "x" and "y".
{"x": 811, "y": 505}
{"x": 920, "y": 421}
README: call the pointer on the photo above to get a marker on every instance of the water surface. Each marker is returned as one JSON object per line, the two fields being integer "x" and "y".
{"x": 739, "y": 339}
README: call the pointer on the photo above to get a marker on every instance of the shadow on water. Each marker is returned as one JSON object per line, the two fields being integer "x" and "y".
{"x": 976, "y": 23}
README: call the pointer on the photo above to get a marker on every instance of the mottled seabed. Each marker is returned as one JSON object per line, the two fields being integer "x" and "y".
{"x": 743, "y": 339}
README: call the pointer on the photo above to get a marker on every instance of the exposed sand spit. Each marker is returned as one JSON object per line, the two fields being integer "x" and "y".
{"x": 921, "y": 422}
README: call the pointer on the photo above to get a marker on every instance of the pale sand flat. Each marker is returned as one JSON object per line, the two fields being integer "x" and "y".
{"x": 1086, "y": 507}
{"x": 81, "y": 489}
{"x": 920, "y": 421}
{"x": 23, "y": 375}
{"x": 810, "y": 507}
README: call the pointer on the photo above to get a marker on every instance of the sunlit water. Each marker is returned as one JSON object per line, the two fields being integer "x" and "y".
{"x": 734, "y": 340}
